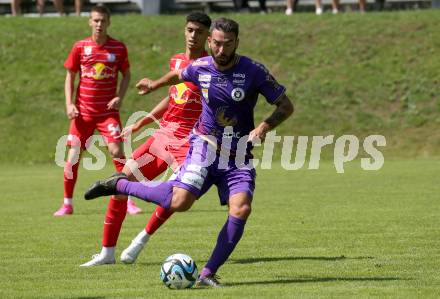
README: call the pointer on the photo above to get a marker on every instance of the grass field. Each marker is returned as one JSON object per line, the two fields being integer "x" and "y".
{"x": 312, "y": 234}
{"x": 348, "y": 74}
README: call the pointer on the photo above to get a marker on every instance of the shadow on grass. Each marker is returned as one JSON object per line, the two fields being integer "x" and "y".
{"x": 280, "y": 259}
{"x": 295, "y": 258}
{"x": 314, "y": 279}
{"x": 145, "y": 211}
{"x": 195, "y": 210}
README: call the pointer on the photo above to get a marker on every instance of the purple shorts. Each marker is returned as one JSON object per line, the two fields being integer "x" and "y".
{"x": 204, "y": 167}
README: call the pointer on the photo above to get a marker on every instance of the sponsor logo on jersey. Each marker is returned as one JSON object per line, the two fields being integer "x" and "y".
{"x": 198, "y": 169}
{"x": 223, "y": 119}
{"x": 204, "y": 78}
{"x": 111, "y": 57}
{"x": 221, "y": 82}
{"x": 239, "y": 75}
{"x": 239, "y": 81}
{"x": 237, "y": 94}
{"x": 200, "y": 62}
{"x": 205, "y": 94}
{"x": 231, "y": 135}
{"x": 98, "y": 71}
{"x": 88, "y": 50}
{"x": 193, "y": 179}
{"x": 205, "y": 84}
{"x": 181, "y": 94}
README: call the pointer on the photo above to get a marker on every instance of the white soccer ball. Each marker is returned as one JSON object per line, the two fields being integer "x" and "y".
{"x": 179, "y": 271}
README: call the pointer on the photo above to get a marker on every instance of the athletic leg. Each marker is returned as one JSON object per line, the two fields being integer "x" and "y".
{"x": 235, "y": 187}
{"x": 117, "y": 208}
{"x": 228, "y": 238}
{"x": 80, "y": 129}
{"x": 144, "y": 166}
{"x": 70, "y": 178}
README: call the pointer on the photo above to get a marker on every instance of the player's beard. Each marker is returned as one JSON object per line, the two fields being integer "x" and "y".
{"x": 223, "y": 59}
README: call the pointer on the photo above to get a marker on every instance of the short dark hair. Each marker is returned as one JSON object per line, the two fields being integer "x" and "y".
{"x": 102, "y": 9}
{"x": 199, "y": 17}
{"x": 225, "y": 25}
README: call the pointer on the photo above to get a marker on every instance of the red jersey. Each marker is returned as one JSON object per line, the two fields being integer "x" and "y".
{"x": 185, "y": 101}
{"x": 98, "y": 67}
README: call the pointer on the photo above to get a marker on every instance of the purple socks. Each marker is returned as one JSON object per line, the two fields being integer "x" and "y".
{"x": 157, "y": 193}
{"x": 227, "y": 240}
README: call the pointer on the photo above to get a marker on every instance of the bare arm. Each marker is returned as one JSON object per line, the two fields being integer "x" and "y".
{"x": 116, "y": 102}
{"x": 283, "y": 110}
{"x": 157, "y": 113}
{"x": 147, "y": 85}
{"x": 69, "y": 85}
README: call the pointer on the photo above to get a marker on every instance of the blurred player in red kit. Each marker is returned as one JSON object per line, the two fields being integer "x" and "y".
{"x": 167, "y": 147}
{"x": 97, "y": 59}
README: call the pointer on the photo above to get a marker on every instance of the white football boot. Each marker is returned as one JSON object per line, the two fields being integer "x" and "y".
{"x": 130, "y": 254}
{"x": 98, "y": 260}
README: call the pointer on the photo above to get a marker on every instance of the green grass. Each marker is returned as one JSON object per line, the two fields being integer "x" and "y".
{"x": 348, "y": 74}
{"x": 311, "y": 234}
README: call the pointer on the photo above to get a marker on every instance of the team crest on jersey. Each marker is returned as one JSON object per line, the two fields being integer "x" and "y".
{"x": 88, "y": 50}
{"x": 237, "y": 94}
{"x": 111, "y": 57}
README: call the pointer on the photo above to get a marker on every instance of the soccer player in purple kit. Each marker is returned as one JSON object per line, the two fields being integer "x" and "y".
{"x": 221, "y": 142}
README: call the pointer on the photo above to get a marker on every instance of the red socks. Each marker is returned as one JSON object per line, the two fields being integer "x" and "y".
{"x": 70, "y": 176}
{"x": 158, "y": 217}
{"x": 114, "y": 217}
{"x": 119, "y": 165}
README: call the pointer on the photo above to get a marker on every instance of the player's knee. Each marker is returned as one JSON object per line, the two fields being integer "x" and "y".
{"x": 242, "y": 211}
{"x": 116, "y": 152}
{"x": 130, "y": 168}
{"x": 182, "y": 201}
{"x": 245, "y": 211}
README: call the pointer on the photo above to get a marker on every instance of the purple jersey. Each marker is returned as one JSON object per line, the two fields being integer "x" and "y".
{"x": 229, "y": 97}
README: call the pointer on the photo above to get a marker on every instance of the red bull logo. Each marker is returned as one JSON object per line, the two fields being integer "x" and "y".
{"x": 182, "y": 94}
{"x": 98, "y": 71}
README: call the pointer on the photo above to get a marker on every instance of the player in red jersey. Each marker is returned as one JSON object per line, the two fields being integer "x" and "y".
{"x": 167, "y": 147}
{"x": 98, "y": 60}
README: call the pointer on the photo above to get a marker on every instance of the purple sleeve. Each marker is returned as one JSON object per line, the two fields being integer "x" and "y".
{"x": 268, "y": 85}
{"x": 189, "y": 74}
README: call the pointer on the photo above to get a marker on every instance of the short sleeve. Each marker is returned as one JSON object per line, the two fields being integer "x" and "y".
{"x": 268, "y": 86}
{"x": 72, "y": 62}
{"x": 125, "y": 64}
{"x": 189, "y": 74}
